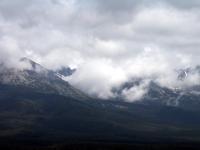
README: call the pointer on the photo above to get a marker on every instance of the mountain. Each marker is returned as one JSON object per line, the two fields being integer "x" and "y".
{"x": 38, "y": 78}
{"x": 37, "y": 105}
{"x": 187, "y": 97}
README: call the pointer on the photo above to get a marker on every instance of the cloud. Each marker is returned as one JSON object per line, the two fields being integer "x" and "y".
{"x": 108, "y": 41}
{"x": 137, "y": 92}
{"x": 98, "y": 77}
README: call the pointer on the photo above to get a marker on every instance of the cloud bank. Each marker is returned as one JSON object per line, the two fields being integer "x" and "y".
{"x": 108, "y": 41}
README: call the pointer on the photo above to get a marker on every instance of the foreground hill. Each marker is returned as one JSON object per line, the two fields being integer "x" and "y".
{"x": 26, "y": 113}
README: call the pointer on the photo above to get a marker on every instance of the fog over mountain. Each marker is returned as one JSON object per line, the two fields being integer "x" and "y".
{"x": 109, "y": 42}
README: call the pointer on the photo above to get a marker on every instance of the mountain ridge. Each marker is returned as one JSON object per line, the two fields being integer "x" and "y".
{"x": 39, "y": 111}
{"x": 40, "y": 78}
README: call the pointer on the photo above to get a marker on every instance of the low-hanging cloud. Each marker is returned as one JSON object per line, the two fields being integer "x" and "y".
{"x": 109, "y": 41}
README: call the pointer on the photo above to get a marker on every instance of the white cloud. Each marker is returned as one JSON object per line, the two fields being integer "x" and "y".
{"x": 135, "y": 93}
{"x": 98, "y": 77}
{"x": 108, "y": 41}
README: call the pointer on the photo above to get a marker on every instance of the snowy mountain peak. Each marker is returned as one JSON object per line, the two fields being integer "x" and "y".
{"x": 31, "y": 65}
{"x": 35, "y": 76}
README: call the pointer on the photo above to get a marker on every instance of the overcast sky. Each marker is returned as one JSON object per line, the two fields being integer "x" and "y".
{"x": 108, "y": 41}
